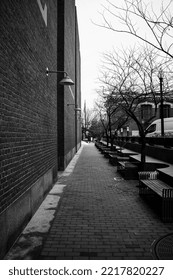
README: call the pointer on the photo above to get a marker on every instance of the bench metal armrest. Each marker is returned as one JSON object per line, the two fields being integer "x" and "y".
{"x": 150, "y": 175}
{"x": 167, "y": 193}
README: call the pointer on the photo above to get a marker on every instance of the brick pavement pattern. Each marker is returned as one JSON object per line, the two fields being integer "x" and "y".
{"x": 101, "y": 216}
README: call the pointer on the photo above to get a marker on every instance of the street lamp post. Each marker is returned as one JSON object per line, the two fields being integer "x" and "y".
{"x": 161, "y": 102}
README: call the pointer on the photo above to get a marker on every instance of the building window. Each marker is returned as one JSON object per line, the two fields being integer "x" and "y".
{"x": 146, "y": 112}
{"x": 166, "y": 111}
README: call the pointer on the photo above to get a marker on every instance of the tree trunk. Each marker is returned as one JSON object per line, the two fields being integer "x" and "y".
{"x": 107, "y": 139}
{"x": 143, "y": 153}
{"x": 112, "y": 143}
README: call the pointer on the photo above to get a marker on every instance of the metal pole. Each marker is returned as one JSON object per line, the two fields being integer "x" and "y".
{"x": 161, "y": 106}
{"x": 85, "y": 117}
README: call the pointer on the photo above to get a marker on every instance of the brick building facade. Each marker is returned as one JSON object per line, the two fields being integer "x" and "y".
{"x": 39, "y": 133}
{"x": 147, "y": 110}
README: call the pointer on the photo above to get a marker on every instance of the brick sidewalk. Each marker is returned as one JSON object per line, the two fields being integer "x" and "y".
{"x": 101, "y": 216}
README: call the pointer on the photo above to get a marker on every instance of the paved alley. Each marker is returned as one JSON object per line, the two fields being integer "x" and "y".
{"x": 100, "y": 215}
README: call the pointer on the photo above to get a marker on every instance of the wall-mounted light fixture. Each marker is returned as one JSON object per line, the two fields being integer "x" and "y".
{"x": 66, "y": 81}
{"x": 76, "y": 108}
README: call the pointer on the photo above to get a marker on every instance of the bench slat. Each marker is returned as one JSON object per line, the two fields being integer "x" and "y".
{"x": 156, "y": 185}
{"x": 164, "y": 191}
{"x": 126, "y": 164}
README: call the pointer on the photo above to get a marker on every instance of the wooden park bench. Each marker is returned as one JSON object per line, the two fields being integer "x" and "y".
{"x": 127, "y": 169}
{"x": 108, "y": 153}
{"x": 150, "y": 184}
{"x": 114, "y": 158}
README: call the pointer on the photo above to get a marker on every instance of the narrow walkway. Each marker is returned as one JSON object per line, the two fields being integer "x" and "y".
{"x": 101, "y": 216}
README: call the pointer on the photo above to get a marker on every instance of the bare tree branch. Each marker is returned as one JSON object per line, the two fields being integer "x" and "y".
{"x": 159, "y": 26}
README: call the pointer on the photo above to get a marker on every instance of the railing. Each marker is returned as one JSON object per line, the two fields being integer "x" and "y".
{"x": 166, "y": 142}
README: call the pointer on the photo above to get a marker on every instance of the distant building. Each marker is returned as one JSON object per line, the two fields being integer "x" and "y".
{"x": 40, "y": 129}
{"x": 145, "y": 111}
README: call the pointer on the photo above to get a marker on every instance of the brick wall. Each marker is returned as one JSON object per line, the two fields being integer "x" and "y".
{"x": 28, "y": 124}
{"x": 37, "y": 128}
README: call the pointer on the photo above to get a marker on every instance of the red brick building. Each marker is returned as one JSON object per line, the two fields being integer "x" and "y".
{"x": 39, "y": 132}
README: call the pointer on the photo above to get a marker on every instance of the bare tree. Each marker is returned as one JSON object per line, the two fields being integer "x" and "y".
{"x": 104, "y": 115}
{"x": 144, "y": 21}
{"x": 96, "y": 128}
{"x": 131, "y": 77}
{"x": 111, "y": 117}
{"x": 87, "y": 115}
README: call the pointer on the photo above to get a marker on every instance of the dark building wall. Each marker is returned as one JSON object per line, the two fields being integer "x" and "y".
{"x": 60, "y": 89}
{"x": 69, "y": 94}
{"x": 68, "y": 134}
{"x": 78, "y": 89}
{"x": 28, "y": 125}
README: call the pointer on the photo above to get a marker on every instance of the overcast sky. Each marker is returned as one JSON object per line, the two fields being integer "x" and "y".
{"x": 94, "y": 41}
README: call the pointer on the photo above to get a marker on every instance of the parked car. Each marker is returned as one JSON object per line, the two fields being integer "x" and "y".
{"x": 154, "y": 129}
